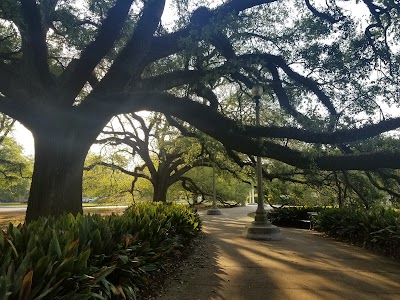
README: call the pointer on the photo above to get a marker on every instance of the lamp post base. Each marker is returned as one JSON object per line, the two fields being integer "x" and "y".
{"x": 214, "y": 211}
{"x": 262, "y": 230}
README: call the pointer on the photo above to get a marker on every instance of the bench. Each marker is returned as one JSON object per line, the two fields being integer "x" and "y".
{"x": 311, "y": 215}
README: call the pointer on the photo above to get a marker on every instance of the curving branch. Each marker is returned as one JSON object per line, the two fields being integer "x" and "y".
{"x": 127, "y": 64}
{"x": 134, "y": 173}
{"x": 169, "y": 80}
{"x": 380, "y": 187}
{"x": 169, "y": 44}
{"x": 322, "y": 15}
{"x": 79, "y": 71}
{"x": 272, "y": 62}
{"x": 207, "y": 94}
{"x": 237, "y": 137}
{"x": 355, "y": 189}
{"x": 201, "y": 116}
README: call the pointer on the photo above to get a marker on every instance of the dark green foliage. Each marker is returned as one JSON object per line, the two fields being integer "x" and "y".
{"x": 378, "y": 230}
{"x": 291, "y": 216}
{"x": 373, "y": 229}
{"x": 91, "y": 256}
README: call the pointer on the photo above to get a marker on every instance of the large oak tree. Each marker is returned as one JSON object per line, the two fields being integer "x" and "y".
{"x": 161, "y": 155}
{"x": 67, "y": 67}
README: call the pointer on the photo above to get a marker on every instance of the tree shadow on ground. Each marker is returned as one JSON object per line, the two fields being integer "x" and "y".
{"x": 303, "y": 265}
{"x": 198, "y": 277}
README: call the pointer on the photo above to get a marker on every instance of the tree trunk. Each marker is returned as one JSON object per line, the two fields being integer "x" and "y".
{"x": 57, "y": 178}
{"x": 160, "y": 191}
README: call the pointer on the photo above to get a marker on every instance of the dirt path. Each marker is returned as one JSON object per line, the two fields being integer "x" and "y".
{"x": 303, "y": 265}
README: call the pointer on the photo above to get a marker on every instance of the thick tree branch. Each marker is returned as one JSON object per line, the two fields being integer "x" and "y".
{"x": 13, "y": 108}
{"x": 321, "y": 15}
{"x": 379, "y": 187}
{"x": 169, "y": 80}
{"x": 355, "y": 189}
{"x": 79, "y": 72}
{"x": 116, "y": 167}
{"x": 171, "y": 43}
{"x": 34, "y": 45}
{"x": 126, "y": 66}
{"x": 272, "y": 62}
{"x": 186, "y": 168}
{"x": 202, "y": 115}
{"x": 207, "y": 94}
{"x": 282, "y": 96}
{"x": 234, "y": 137}
{"x": 8, "y": 80}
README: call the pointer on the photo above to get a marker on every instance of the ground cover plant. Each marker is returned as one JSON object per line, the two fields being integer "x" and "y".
{"x": 375, "y": 229}
{"x": 91, "y": 256}
{"x": 378, "y": 230}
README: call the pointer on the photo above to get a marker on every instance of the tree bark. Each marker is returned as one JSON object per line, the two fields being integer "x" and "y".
{"x": 160, "y": 190}
{"x": 57, "y": 178}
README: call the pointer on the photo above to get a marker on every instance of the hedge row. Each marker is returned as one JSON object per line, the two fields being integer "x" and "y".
{"x": 378, "y": 230}
{"x": 91, "y": 257}
{"x": 291, "y": 216}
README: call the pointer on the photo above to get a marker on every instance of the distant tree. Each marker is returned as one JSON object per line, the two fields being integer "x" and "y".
{"x": 6, "y": 126}
{"x": 160, "y": 154}
{"x": 103, "y": 182}
{"x": 230, "y": 190}
{"x": 15, "y": 171}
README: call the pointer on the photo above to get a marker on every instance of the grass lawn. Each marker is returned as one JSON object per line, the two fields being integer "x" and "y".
{"x": 19, "y": 217}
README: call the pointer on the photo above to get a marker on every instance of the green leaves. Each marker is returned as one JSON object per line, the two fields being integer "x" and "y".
{"x": 91, "y": 256}
{"x": 373, "y": 229}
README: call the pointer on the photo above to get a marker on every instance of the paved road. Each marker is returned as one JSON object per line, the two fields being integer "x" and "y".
{"x": 304, "y": 265}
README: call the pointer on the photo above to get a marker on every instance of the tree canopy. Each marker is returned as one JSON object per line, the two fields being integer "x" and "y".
{"x": 15, "y": 168}
{"x": 67, "y": 67}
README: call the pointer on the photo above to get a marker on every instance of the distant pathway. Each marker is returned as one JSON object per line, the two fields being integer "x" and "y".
{"x": 303, "y": 265}
{"x": 22, "y": 208}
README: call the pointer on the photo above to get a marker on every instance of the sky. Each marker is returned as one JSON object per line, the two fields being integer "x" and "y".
{"x": 24, "y": 138}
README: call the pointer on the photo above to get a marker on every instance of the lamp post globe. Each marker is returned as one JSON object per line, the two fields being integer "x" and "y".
{"x": 257, "y": 91}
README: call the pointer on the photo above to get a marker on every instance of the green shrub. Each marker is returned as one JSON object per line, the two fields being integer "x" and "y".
{"x": 374, "y": 229}
{"x": 91, "y": 256}
{"x": 291, "y": 216}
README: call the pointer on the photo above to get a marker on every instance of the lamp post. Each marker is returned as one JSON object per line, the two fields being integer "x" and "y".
{"x": 261, "y": 228}
{"x": 214, "y": 210}
{"x": 261, "y": 213}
